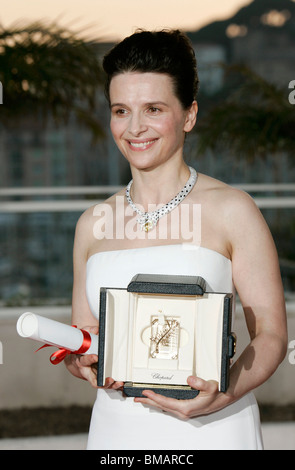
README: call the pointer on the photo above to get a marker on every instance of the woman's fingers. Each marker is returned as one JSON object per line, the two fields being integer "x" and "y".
{"x": 85, "y": 364}
{"x": 184, "y": 409}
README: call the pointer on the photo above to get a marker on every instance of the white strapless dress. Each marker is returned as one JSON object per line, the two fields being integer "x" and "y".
{"x": 119, "y": 423}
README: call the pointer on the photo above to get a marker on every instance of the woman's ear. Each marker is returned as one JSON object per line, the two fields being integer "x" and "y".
{"x": 191, "y": 117}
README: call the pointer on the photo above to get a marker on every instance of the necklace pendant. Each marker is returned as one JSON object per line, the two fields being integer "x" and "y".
{"x": 147, "y": 226}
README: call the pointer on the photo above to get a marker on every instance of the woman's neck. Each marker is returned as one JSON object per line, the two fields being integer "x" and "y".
{"x": 159, "y": 185}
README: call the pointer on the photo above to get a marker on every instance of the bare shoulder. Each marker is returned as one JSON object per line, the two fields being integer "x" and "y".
{"x": 232, "y": 214}
{"x": 87, "y": 218}
{"x": 84, "y": 222}
{"x": 84, "y": 233}
{"x": 226, "y": 200}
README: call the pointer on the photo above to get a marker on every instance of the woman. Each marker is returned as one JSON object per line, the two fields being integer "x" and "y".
{"x": 151, "y": 87}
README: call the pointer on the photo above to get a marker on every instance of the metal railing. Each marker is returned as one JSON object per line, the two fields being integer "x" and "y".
{"x": 65, "y": 205}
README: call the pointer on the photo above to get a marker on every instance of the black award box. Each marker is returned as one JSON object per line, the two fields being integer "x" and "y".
{"x": 160, "y": 330}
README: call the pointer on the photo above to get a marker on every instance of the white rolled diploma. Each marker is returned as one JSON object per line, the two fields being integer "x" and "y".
{"x": 54, "y": 333}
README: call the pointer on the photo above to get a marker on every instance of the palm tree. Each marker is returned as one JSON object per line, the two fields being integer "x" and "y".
{"x": 255, "y": 119}
{"x": 48, "y": 70}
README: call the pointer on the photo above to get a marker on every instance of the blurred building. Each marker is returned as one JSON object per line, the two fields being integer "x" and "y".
{"x": 209, "y": 60}
{"x": 270, "y": 52}
{"x": 37, "y": 156}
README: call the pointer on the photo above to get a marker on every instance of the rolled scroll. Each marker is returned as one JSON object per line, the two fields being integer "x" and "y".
{"x": 67, "y": 338}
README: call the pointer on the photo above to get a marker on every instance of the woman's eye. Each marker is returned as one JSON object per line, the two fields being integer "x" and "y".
{"x": 153, "y": 109}
{"x": 120, "y": 111}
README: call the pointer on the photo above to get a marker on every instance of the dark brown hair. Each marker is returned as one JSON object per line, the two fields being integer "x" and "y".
{"x": 167, "y": 52}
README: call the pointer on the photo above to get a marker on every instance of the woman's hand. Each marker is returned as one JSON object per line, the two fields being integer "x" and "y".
{"x": 85, "y": 366}
{"x": 204, "y": 403}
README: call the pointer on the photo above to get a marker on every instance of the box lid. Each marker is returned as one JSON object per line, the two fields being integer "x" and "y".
{"x": 167, "y": 284}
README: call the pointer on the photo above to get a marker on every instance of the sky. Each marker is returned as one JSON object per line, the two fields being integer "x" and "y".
{"x": 115, "y": 19}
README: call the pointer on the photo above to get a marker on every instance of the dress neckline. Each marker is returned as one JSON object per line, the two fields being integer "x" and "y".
{"x": 182, "y": 245}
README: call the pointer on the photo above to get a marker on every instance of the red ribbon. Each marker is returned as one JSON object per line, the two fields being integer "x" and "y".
{"x": 61, "y": 353}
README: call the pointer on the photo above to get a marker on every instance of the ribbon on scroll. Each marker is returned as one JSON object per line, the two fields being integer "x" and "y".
{"x": 59, "y": 355}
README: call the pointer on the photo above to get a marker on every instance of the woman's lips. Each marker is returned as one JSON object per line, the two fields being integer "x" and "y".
{"x": 141, "y": 145}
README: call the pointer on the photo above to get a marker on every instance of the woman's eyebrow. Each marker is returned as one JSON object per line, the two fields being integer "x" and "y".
{"x": 149, "y": 103}
{"x": 156, "y": 102}
{"x": 117, "y": 104}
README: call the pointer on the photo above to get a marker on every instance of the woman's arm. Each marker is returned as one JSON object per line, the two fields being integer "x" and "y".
{"x": 81, "y": 313}
{"x": 84, "y": 367}
{"x": 80, "y": 366}
{"x": 256, "y": 276}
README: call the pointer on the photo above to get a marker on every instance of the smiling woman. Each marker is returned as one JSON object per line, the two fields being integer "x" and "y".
{"x": 145, "y": 115}
{"x": 151, "y": 87}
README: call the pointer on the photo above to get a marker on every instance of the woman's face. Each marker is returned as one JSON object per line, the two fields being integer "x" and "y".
{"x": 148, "y": 121}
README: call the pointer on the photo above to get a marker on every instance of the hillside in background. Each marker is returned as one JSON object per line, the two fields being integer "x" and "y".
{"x": 264, "y": 15}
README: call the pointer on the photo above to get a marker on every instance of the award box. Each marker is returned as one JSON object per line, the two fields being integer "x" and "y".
{"x": 160, "y": 330}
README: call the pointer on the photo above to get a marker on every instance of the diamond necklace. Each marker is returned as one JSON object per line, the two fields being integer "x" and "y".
{"x": 148, "y": 220}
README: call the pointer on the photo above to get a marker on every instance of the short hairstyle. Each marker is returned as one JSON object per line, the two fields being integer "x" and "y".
{"x": 168, "y": 52}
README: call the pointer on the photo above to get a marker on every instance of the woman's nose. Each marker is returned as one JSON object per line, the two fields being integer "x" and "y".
{"x": 137, "y": 124}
